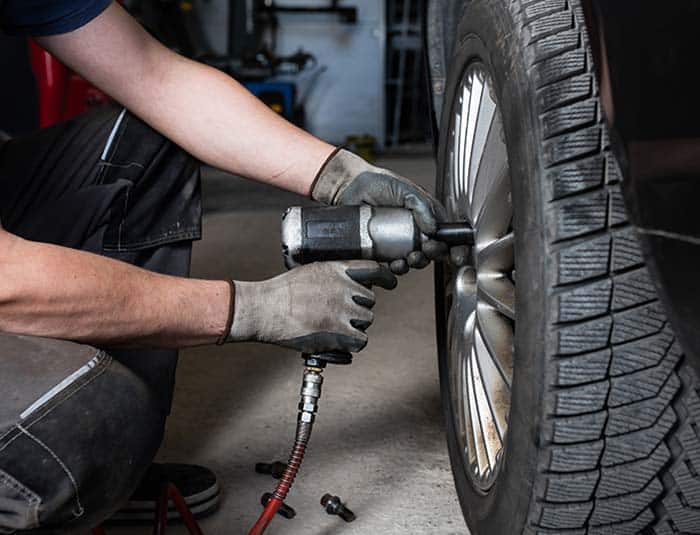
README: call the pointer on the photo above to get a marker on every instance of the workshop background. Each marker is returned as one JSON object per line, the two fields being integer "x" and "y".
{"x": 350, "y": 72}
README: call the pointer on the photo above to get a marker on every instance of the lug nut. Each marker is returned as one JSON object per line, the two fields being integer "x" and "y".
{"x": 285, "y": 510}
{"x": 334, "y": 506}
{"x": 275, "y": 469}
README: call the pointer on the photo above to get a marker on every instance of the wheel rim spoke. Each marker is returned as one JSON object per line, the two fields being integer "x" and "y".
{"x": 496, "y": 392}
{"x": 496, "y": 212}
{"x": 465, "y": 143}
{"x": 497, "y": 335}
{"x": 458, "y": 186}
{"x": 475, "y": 94}
{"x": 489, "y": 432}
{"x": 499, "y": 292}
{"x": 498, "y": 256}
{"x": 475, "y": 419}
{"x": 490, "y": 161}
{"x": 460, "y": 127}
{"x": 482, "y": 294}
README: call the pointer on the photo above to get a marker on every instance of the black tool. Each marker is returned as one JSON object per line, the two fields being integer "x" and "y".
{"x": 275, "y": 469}
{"x": 334, "y": 506}
{"x": 285, "y": 510}
{"x": 359, "y": 232}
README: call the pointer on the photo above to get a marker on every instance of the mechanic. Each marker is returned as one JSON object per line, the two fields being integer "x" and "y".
{"x": 98, "y": 217}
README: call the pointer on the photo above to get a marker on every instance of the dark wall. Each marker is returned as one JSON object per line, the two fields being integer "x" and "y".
{"x": 18, "y": 102}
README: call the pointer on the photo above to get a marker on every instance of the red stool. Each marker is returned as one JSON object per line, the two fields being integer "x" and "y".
{"x": 168, "y": 492}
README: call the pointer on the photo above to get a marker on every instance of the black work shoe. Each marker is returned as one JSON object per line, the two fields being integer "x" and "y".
{"x": 198, "y": 485}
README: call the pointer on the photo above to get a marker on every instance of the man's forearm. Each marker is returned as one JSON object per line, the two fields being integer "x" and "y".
{"x": 229, "y": 128}
{"x": 202, "y": 109}
{"x": 57, "y": 292}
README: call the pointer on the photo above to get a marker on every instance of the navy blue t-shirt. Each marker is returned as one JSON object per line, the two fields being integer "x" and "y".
{"x": 47, "y": 17}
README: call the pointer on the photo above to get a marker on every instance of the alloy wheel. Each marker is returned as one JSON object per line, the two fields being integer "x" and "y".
{"x": 481, "y": 289}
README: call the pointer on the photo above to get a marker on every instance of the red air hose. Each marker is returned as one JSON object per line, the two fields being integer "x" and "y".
{"x": 266, "y": 517}
{"x": 286, "y": 481}
{"x": 310, "y": 392}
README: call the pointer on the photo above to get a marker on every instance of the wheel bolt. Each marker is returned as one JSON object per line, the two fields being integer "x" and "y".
{"x": 334, "y": 506}
{"x": 275, "y": 469}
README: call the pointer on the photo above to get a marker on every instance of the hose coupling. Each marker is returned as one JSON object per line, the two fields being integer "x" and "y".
{"x": 310, "y": 394}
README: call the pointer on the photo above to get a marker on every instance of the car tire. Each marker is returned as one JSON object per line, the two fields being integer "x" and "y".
{"x": 603, "y": 424}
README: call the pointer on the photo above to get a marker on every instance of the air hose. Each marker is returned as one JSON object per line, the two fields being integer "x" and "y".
{"x": 308, "y": 405}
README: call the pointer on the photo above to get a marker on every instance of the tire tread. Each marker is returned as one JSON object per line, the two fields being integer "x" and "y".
{"x": 623, "y": 443}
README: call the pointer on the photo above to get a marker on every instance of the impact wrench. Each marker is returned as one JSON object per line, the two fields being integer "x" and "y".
{"x": 341, "y": 233}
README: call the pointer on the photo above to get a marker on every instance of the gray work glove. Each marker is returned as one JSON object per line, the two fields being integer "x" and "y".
{"x": 347, "y": 179}
{"x": 323, "y": 306}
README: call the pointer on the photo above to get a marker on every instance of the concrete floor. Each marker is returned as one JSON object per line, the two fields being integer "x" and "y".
{"x": 378, "y": 441}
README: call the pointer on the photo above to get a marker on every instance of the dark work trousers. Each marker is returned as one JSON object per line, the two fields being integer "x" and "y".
{"x": 80, "y": 425}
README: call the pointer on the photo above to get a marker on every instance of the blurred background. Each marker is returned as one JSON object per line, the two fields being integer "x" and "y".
{"x": 350, "y": 72}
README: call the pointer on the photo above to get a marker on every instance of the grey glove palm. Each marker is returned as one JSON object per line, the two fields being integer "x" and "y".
{"x": 318, "y": 307}
{"x": 347, "y": 179}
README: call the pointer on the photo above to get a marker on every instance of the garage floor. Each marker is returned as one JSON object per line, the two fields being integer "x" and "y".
{"x": 378, "y": 441}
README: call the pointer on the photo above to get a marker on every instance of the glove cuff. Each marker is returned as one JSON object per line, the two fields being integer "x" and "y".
{"x": 341, "y": 168}
{"x": 245, "y": 313}
{"x": 229, "y": 321}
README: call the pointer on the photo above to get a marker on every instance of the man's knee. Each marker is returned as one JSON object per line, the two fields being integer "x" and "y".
{"x": 73, "y": 450}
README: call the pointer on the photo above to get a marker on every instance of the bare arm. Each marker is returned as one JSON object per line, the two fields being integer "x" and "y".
{"x": 203, "y": 110}
{"x": 62, "y": 293}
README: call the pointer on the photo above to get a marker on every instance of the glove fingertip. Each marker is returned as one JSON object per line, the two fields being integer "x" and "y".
{"x": 399, "y": 267}
{"x": 417, "y": 260}
{"x": 360, "y": 344}
{"x": 363, "y": 301}
{"x": 434, "y": 249}
{"x": 360, "y": 325}
{"x": 386, "y": 279}
{"x": 391, "y": 282}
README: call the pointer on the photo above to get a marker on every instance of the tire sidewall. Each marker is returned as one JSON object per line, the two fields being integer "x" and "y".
{"x": 487, "y": 32}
